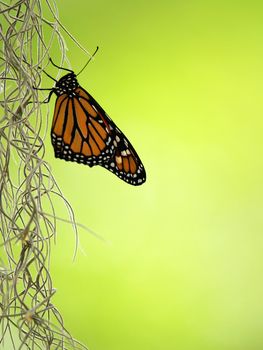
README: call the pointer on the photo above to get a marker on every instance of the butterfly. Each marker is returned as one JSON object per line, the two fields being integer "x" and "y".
{"x": 83, "y": 132}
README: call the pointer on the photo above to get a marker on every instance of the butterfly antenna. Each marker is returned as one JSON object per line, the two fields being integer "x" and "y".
{"x": 55, "y": 65}
{"x": 88, "y": 61}
{"x": 47, "y": 74}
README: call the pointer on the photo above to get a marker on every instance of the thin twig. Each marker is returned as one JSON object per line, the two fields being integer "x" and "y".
{"x": 28, "y": 220}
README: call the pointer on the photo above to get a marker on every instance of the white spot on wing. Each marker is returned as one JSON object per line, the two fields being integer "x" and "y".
{"x": 94, "y": 108}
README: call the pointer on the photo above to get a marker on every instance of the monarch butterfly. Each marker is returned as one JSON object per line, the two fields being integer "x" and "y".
{"x": 83, "y": 132}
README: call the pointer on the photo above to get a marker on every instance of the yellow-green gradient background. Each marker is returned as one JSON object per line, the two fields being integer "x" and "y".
{"x": 182, "y": 266}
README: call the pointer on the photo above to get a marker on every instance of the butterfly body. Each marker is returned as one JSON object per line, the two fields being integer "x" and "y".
{"x": 66, "y": 85}
{"x": 82, "y": 132}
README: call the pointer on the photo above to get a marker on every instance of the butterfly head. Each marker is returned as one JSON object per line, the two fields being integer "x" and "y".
{"x": 66, "y": 85}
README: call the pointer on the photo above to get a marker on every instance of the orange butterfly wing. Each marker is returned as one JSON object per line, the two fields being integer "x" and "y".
{"x": 78, "y": 132}
{"x": 124, "y": 161}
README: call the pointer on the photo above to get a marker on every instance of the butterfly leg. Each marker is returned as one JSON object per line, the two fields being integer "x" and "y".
{"x": 46, "y": 100}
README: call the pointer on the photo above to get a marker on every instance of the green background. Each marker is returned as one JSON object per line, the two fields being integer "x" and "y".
{"x": 181, "y": 265}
